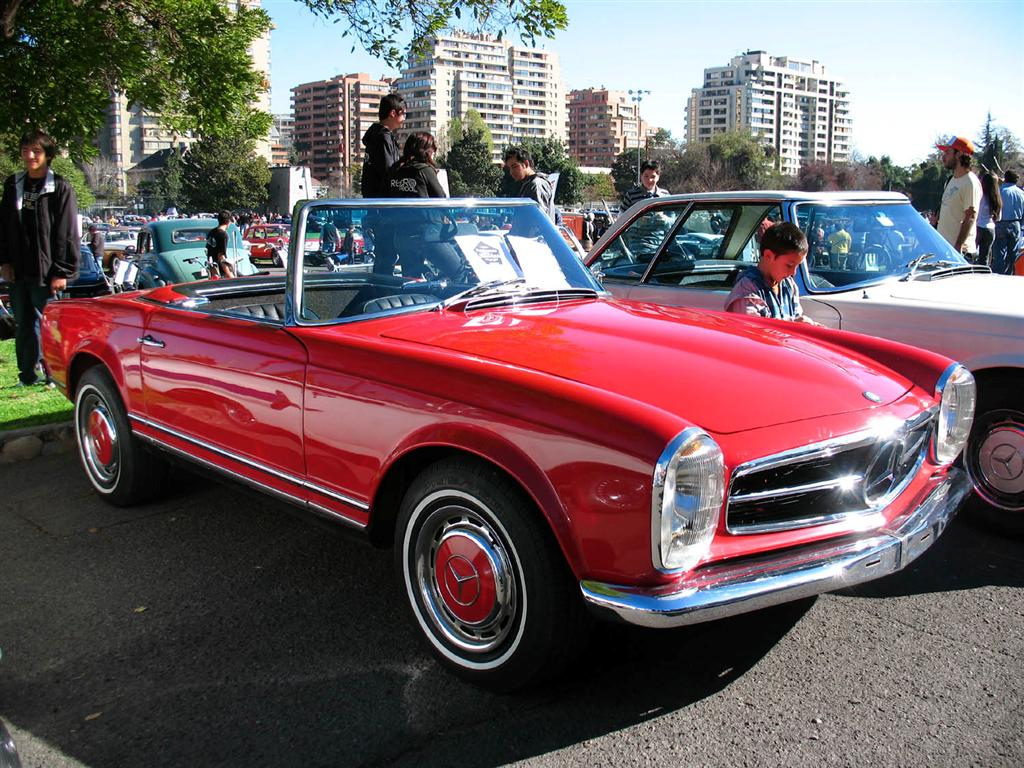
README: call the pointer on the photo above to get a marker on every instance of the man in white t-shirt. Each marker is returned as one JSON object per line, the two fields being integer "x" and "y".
{"x": 961, "y": 198}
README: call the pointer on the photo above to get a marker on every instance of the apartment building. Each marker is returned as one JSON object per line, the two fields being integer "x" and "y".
{"x": 131, "y": 134}
{"x": 603, "y": 124}
{"x": 792, "y": 105}
{"x": 330, "y": 118}
{"x": 518, "y": 91}
{"x": 281, "y": 133}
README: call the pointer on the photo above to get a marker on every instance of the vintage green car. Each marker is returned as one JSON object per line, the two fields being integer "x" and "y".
{"x": 174, "y": 251}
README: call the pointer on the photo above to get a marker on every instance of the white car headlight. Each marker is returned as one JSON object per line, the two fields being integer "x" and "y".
{"x": 957, "y": 397}
{"x": 689, "y": 489}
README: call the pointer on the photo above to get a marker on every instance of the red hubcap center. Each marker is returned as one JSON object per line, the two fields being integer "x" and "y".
{"x": 102, "y": 438}
{"x": 465, "y": 578}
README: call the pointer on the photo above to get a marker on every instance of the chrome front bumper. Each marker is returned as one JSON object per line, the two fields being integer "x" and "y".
{"x": 727, "y": 589}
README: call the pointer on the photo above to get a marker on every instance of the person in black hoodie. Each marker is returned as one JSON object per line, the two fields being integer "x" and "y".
{"x": 381, "y": 142}
{"x": 39, "y": 249}
{"x": 382, "y": 152}
{"x": 422, "y": 233}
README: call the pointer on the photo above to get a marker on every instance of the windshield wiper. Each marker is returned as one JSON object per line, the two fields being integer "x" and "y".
{"x": 476, "y": 290}
{"x": 913, "y": 265}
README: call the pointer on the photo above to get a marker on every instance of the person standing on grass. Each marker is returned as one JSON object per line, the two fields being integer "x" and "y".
{"x": 39, "y": 249}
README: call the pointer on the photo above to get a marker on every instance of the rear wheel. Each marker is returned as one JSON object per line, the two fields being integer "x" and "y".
{"x": 275, "y": 256}
{"x": 994, "y": 456}
{"x": 120, "y": 469}
{"x": 485, "y": 581}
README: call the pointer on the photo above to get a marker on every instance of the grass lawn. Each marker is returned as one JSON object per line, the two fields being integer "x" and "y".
{"x": 26, "y": 406}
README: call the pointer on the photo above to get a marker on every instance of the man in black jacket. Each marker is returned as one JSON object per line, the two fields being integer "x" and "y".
{"x": 381, "y": 142}
{"x": 38, "y": 244}
{"x": 382, "y": 152}
{"x": 533, "y": 185}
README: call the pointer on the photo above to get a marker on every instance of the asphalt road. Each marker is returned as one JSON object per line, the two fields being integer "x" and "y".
{"x": 216, "y": 629}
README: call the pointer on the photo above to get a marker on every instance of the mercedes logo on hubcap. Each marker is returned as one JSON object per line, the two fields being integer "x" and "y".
{"x": 461, "y": 580}
{"x": 1007, "y": 462}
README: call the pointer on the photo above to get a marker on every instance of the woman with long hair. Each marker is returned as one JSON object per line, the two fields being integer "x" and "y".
{"x": 422, "y": 235}
{"x": 989, "y": 212}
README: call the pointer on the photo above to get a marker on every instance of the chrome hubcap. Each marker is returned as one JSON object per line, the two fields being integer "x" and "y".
{"x": 98, "y": 439}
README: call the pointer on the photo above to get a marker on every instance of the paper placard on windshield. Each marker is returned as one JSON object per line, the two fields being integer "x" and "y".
{"x": 539, "y": 265}
{"x": 488, "y": 256}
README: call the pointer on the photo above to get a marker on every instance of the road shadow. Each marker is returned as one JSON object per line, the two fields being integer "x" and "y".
{"x": 226, "y": 633}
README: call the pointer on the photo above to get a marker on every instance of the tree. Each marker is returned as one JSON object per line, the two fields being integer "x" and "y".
{"x": 473, "y": 121}
{"x": 471, "y": 171}
{"x": 170, "y": 184}
{"x": 598, "y": 186}
{"x": 624, "y": 172}
{"x": 225, "y": 173}
{"x": 997, "y": 147}
{"x": 378, "y": 24}
{"x": 188, "y": 60}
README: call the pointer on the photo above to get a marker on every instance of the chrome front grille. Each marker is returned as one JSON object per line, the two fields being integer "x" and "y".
{"x": 828, "y": 481}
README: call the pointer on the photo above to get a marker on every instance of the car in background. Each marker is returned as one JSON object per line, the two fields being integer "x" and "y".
{"x": 268, "y": 242}
{"x": 875, "y": 266}
{"x": 91, "y": 280}
{"x": 535, "y": 451}
{"x": 174, "y": 251}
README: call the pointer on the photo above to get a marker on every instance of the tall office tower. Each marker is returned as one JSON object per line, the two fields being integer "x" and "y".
{"x": 517, "y": 91}
{"x": 330, "y": 119}
{"x": 132, "y": 134}
{"x": 602, "y": 125}
{"x": 792, "y": 105}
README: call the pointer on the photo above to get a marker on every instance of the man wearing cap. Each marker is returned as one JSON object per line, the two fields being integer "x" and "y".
{"x": 1007, "y": 244}
{"x": 961, "y": 198}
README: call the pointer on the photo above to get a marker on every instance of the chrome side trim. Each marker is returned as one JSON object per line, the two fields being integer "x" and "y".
{"x": 726, "y": 589}
{"x": 289, "y": 478}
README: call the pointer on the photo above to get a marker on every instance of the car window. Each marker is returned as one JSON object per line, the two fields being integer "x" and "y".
{"x": 415, "y": 255}
{"x": 625, "y": 259}
{"x": 713, "y": 245}
{"x": 189, "y": 235}
{"x": 866, "y": 242}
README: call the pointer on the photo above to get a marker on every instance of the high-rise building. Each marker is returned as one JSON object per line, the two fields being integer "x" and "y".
{"x": 518, "y": 91}
{"x": 792, "y": 105}
{"x": 132, "y": 134}
{"x": 331, "y": 117}
{"x": 281, "y": 133}
{"x": 602, "y": 125}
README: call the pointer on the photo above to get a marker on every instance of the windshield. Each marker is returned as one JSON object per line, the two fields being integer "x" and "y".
{"x": 865, "y": 243}
{"x": 437, "y": 250}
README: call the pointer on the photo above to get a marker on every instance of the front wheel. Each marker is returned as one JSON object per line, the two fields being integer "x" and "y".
{"x": 120, "y": 469}
{"x": 994, "y": 456}
{"x": 485, "y": 581}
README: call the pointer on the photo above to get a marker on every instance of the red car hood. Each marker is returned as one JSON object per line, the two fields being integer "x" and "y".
{"x": 721, "y": 372}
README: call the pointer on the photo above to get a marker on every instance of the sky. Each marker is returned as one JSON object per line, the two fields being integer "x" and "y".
{"x": 915, "y": 70}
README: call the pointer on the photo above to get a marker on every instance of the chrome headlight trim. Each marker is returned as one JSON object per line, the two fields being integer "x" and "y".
{"x": 957, "y": 395}
{"x": 688, "y": 493}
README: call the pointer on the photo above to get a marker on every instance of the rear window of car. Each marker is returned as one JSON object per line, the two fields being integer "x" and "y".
{"x": 190, "y": 235}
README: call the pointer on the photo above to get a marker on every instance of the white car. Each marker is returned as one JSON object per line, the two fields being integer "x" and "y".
{"x": 875, "y": 266}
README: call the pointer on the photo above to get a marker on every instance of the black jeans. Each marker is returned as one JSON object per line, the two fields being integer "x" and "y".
{"x": 27, "y": 302}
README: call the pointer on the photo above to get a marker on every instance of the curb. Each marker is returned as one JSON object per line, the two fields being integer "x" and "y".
{"x": 30, "y": 442}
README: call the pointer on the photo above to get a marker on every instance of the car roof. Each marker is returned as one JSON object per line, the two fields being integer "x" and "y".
{"x": 788, "y": 195}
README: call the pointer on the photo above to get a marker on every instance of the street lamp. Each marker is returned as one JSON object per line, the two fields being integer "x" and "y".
{"x": 637, "y": 96}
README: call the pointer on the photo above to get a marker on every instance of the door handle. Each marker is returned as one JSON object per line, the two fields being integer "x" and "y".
{"x": 149, "y": 341}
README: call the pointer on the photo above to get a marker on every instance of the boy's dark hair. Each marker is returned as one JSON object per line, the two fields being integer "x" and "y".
{"x": 389, "y": 103}
{"x": 650, "y": 165}
{"x": 224, "y": 217}
{"x": 1011, "y": 177}
{"x": 783, "y": 237}
{"x": 43, "y": 140}
{"x": 520, "y": 155}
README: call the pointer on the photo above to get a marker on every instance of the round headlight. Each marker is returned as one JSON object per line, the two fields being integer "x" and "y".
{"x": 689, "y": 489}
{"x": 957, "y": 397}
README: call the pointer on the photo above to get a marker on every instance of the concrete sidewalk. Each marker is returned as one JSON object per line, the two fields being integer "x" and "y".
{"x": 30, "y": 442}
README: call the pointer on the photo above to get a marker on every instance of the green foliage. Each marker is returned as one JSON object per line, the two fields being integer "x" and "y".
{"x": 27, "y": 406}
{"x": 998, "y": 149}
{"x": 624, "y": 173}
{"x": 597, "y": 187}
{"x": 473, "y": 123}
{"x": 377, "y": 25}
{"x": 471, "y": 171}
{"x": 225, "y": 173}
{"x": 185, "y": 59}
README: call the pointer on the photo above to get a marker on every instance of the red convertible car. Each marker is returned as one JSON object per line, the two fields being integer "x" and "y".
{"x": 536, "y": 452}
{"x": 268, "y": 242}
